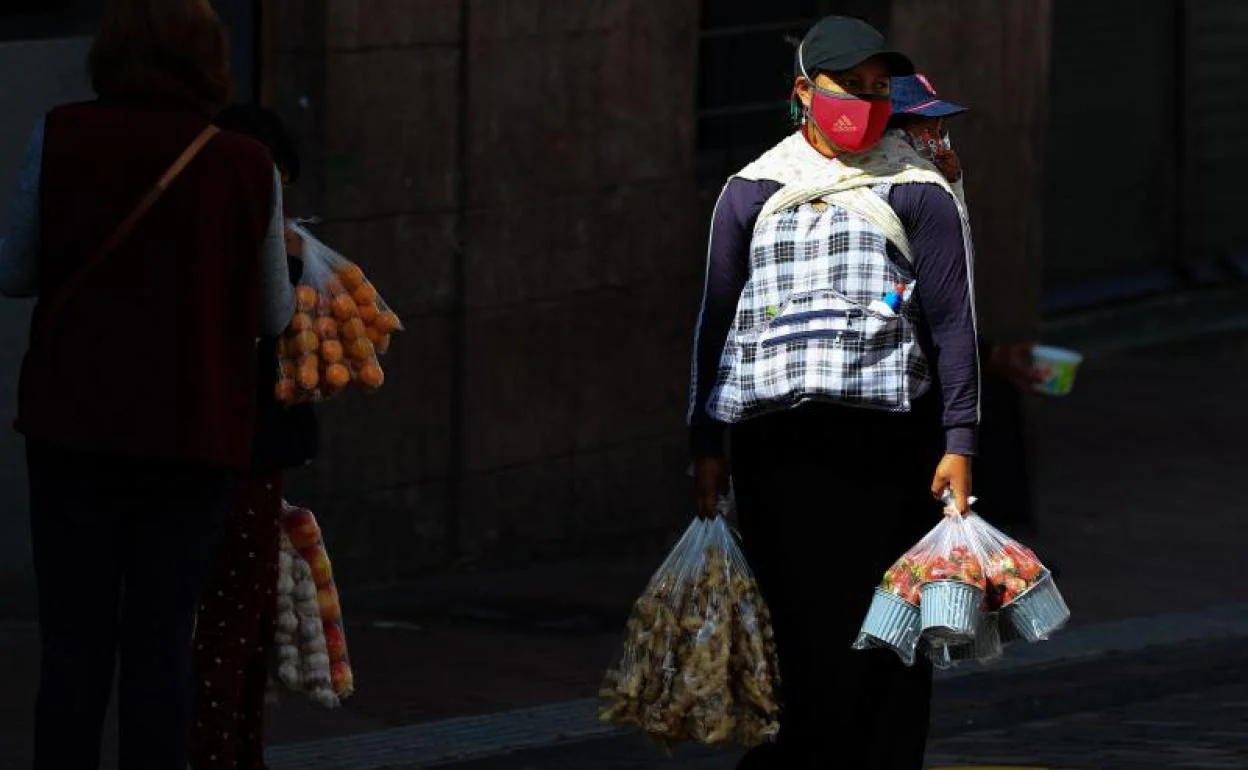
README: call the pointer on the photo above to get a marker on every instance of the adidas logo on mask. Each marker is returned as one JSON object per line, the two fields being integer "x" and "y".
{"x": 844, "y": 124}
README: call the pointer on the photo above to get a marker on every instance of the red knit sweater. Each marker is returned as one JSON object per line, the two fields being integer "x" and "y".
{"x": 155, "y": 356}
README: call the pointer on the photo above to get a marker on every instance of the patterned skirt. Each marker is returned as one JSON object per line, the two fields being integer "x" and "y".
{"x": 234, "y": 631}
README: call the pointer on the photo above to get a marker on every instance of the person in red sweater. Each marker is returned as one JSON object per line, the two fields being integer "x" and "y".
{"x": 137, "y": 394}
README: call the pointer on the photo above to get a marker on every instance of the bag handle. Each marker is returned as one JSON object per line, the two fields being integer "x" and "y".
{"x": 131, "y": 221}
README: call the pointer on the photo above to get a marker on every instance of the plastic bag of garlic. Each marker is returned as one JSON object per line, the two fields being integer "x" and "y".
{"x": 310, "y": 643}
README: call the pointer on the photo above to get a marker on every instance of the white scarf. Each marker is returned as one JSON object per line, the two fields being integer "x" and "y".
{"x": 846, "y": 181}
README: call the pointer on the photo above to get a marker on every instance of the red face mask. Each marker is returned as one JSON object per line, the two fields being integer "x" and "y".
{"x": 849, "y": 123}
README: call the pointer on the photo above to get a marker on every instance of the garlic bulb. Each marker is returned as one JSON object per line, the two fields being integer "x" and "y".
{"x": 304, "y": 590}
{"x": 289, "y": 674}
{"x": 287, "y": 622}
{"x": 308, "y": 608}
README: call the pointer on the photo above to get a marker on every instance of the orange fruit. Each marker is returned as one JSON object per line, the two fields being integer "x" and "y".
{"x": 368, "y": 312}
{"x": 306, "y": 342}
{"x": 371, "y": 375}
{"x": 364, "y": 294}
{"x": 300, "y": 323}
{"x": 382, "y": 344}
{"x": 308, "y": 377}
{"x": 326, "y": 328}
{"x": 388, "y": 322}
{"x": 309, "y": 361}
{"x": 374, "y": 335}
{"x": 344, "y": 307}
{"x": 331, "y": 351}
{"x": 337, "y": 376}
{"x": 334, "y": 286}
{"x": 353, "y": 329}
{"x": 285, "y": 390}
{"x": 306, "y": 298}
{"x": 287, "y": 368}
{"x": 282, "y": 352}
{"x": 351, "y": 276}
{"x": 361, "y": 350}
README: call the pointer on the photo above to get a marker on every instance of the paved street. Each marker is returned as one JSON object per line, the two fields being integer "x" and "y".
{"x": 1170, "y": 709}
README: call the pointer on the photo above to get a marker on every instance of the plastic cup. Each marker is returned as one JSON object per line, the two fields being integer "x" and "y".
{"x": 950, "y": 610}
{"x": 1054, "y": 369}
{"x": 892, "y": 624}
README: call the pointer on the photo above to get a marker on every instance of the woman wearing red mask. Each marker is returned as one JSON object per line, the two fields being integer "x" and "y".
{"x": 836, "y": 351}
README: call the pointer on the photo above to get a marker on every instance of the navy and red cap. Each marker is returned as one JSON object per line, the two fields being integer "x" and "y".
{"x": 915, "y": 95}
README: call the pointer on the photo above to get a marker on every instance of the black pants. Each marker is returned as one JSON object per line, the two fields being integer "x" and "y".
{"x": 121, "y": 549}
{"x": 828, "y": 498}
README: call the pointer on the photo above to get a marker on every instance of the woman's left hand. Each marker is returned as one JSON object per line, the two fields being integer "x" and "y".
{"x": 954, "y": 474}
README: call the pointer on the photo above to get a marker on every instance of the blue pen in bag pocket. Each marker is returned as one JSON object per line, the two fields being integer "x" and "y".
{"x": 890, "y": 303}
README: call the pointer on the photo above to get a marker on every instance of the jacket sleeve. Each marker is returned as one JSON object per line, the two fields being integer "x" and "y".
{"x": 946, "y": 299}
{"x": 19, "y": 249}
{"x": 727, "y": 268}
{"x": 277, "y": 296}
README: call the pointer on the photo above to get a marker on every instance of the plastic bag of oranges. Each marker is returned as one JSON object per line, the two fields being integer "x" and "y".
{"x": 341, "y": 328}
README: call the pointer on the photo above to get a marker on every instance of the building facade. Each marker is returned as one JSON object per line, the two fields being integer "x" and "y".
{"x": 529, "y": 183}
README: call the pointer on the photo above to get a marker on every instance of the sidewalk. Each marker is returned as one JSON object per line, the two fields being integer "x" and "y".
{"x": 1180, "y": 707}
{"x": 1139, "y": 507}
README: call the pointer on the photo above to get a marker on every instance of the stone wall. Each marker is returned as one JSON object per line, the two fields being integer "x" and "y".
{"x": 519, "y": 182}
{"x": 993, "y": 55}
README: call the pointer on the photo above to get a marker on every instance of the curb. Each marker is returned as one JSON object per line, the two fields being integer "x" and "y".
{"x": 1158, "y": 321}
{"x": 451, "y": 741}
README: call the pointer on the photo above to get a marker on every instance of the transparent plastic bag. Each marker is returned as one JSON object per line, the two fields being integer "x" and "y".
{"x": 986, "y": 646}
{"x": 1019, "y": 585}
{"x": 962, "y": 592}
{"x": 698, "y": 662}
{"x": 340, "y": 329}
{"x": 311, "y": 644}
{"x": 935, "y": 591}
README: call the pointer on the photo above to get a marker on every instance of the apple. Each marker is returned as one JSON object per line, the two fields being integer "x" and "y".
{"x": 341, "y": 678}
{"x": 327, "y": 598}
{"x": 302, "y": 529}
{"x": 318, "y": 562}
{"x": 335, "y": 642}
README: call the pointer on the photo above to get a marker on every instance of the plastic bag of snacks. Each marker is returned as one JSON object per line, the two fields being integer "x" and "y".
{"x": 340, "y": 329}
{"x": 699, "y": 660}
{"x": 311, "y": 644}
{"x": 959, "y": 593}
